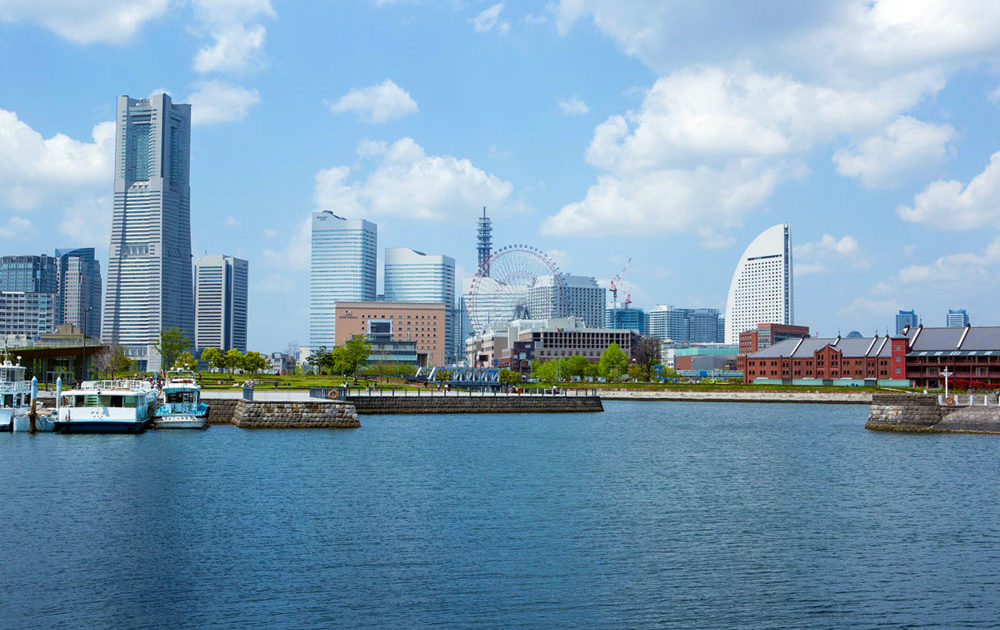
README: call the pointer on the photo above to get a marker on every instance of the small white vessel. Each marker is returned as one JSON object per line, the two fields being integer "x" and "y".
{"x": 15, "y": 397}
{"x": 120, "y": 406}
{"x": 181, "y": 406}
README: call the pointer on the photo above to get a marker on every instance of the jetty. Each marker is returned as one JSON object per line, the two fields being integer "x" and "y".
{"x": 934, "y": 413}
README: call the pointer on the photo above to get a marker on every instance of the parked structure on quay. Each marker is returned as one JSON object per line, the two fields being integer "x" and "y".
{"x": 761, "y": 290}
{"x": 149, "y": 285}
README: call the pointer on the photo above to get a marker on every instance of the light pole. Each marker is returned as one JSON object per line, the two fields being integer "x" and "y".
{"x": 946, "y": 374}
{"x": 86, "y": 316}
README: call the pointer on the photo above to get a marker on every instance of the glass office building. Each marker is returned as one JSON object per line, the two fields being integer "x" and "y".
{"x": 412, "y": 276}
{"x": 220, "y": 302}
{"x": 343, "y": 268}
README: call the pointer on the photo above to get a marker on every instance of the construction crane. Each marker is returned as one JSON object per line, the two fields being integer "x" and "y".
{"x": 616, "y": 282}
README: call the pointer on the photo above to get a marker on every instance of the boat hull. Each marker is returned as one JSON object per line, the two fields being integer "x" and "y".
{"x": 180, "y": 421}
{"x": 101, "y": 426}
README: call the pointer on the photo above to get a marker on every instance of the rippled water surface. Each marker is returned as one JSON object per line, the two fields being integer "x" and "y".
{"x": 648, "y": 515}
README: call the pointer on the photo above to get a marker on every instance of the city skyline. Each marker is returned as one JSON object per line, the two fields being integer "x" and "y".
{"x": 623, "y": 138}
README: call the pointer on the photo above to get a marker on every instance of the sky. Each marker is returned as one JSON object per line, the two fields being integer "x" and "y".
{"x": 668, "y": 133}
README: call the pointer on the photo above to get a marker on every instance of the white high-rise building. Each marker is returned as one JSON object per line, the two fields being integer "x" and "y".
{"x": 761, "y": 289}
{"x": 149, "y": 285}
{"x": 586, "y": 299}
{"x": 343, "y": 268}
{"x": 412, "y": 276}
{"x": 220, "y": 302}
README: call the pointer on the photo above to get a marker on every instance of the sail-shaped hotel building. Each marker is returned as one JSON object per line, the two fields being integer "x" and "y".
{"x": 761, "y": 290}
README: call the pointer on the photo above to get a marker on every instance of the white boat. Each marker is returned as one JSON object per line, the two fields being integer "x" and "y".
{"x": 120, "y": 406}
{"x": 15, "y": 397}
{"x": 180, "y": 405}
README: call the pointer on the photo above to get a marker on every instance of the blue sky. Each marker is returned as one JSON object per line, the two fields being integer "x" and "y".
{"x": 597, "y": 130}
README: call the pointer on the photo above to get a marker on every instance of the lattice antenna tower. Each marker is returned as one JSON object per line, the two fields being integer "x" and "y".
{"x": 484, "y": 243}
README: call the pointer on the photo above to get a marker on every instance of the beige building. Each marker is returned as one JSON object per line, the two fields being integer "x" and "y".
{"x": 422, "y": 322}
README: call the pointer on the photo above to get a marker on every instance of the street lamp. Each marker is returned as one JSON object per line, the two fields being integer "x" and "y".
{"x": 946, "y": 374}
{"x": 86, "y": 316}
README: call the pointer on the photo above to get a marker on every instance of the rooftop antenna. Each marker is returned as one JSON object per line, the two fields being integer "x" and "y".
{"x": 484, "y": 243}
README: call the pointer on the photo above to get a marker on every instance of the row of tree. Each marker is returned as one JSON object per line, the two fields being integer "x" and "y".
{"x": 173, "y": 349}
{"x": 346, "y": 360}
{"x": 613, "y": 365}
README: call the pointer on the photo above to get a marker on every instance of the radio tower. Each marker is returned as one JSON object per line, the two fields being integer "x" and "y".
{"x": 484, "y": 243}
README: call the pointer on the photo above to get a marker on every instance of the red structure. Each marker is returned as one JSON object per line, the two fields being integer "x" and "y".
{"x": 881, "y": 358}
{"x": 766, "y": 335}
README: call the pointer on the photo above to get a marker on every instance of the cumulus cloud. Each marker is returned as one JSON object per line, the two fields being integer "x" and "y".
{"x": 827, "y": 254}
{"x": 709, "y": 145}
{"x": 297, "y": 250}
{"x": 238, "y": 37}
{"x": 87, "y": 221}
{"x": 573, "y": 106}
{"x": 377, "y": 103}
{"x": 489, "y": 20}
{"x": 108, "y": 21}
{"x": 904, "y": 150}
{"x": 961, "y": 269}
{"x": 18, "y": 227}
{"x": 217, "y": 101}
{"x": 35, "y": 170}
{"x": 949, "y": 205}
{"x": 405, "y": 181}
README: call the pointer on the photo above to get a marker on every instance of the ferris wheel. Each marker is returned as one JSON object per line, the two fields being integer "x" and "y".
{"x": 516, "y": 282}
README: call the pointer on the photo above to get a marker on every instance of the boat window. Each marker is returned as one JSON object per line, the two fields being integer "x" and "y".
{"x": 129, "y": 401}
{"x": 8, "y": 400}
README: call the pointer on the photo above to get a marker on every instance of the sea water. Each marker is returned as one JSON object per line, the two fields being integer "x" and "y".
{"x": 651, "y": 514}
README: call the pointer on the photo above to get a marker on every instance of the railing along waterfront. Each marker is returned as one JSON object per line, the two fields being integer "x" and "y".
{"x": 968, "y": 400}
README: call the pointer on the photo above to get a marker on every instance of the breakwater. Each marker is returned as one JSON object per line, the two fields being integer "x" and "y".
{"x": 915, "y": 413}
{"x": 821, "y": 397}
{"x": 271, "y": 414}
{"x": 455, "y": 403}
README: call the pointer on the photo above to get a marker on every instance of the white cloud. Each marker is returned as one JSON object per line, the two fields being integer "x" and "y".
{"x": 87, "y": 222}
{"x": 297, "y": 251}
{"x": 108, "y": 21}
{"x": 232, "y": 221}
{"x": 35, "y": 170}
{"x": 949, "y": 205}
{"x": 994, "y": 96}
{"x": 962, "y": 269}
{"x": 904, "y": 150}
{"x": 18, "y": 227}
{"x": 573, "y": 106}
{"x": 238, "y": 38}
{"x": 407, "y": 182}
{"x": 377, "y": 103}
{"x": 827, "y": 254}
{"x": 867, "y": 307}
{"x": 489, "y": 20}
{"x": 709, "y": 145}
{"x": 218, "y": 101}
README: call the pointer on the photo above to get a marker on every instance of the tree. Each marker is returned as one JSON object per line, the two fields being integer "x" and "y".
{"x": 113, "y": 360}
{"x": 172, "y": 343}
{"x": 254, "y": 362}
{"x": 510, "y": 377}
{"x": 185, "y": 361}
{"x": 233, "y": 359}
{"x": 353, "y": 354}
{"x": 613, "y": 360}
{"x": 442, "y": 375}
{"x": 320, "y": 359}
{"x": 647, "y": 354}
{"x": 212, "y": 357}
{"x": 576, "y": 366}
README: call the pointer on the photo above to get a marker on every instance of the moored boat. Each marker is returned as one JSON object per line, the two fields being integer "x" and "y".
{"x": 15, "y": 396}
{"x": 120, "y": 406}
{"x": 181, "y": 406}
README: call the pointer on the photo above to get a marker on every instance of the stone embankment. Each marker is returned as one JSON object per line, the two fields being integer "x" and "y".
{"x": 374, "y": 405}
{"x": 812, "y": 397}
{"x": 916, "y": 413}
{"x": 269, "y": 414}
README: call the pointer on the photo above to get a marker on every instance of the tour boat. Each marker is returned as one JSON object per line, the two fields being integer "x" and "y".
{"x": 15, "y": 397}
{"x": 181, "y": 406}
{"x": 120, "y": 406}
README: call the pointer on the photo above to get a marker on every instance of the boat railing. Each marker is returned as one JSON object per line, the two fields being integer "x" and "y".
{"x": 131, "y": 384}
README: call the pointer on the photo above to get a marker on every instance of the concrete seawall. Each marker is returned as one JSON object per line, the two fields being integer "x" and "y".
{"x": 269, "y": 414}
{"x": 921, "y": 414}
{"x": 375, "y": 405}
{"x": 837, "y": 398}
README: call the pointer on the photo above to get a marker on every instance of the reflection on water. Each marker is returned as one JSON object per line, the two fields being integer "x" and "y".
{"x": 648, "y": 515}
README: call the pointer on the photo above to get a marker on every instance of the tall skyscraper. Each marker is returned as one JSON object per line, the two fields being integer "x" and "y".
{"x": 412, "y": 276}
{"x": 343, "y": 268}
{"x": 584, "y": 298}
{"x": 29, "y": 288}
{"x": 957, "y": 318}
{"x": 626, "y": 319}
{"x": 31, "y": 274}
{"x": 79, "y": 279}
{"x": 220, "y": 302}
{"x": 761, "y": 290}
{"x": 149, "y": 286}
{"x": 691, "y": 325}
{"x": 904, "y": 319}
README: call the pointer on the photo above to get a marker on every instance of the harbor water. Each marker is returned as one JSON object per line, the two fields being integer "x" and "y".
{"x": 649, "y": 515}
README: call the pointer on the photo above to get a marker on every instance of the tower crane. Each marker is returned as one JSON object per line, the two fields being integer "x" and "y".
{"x": 616, "y": 282}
